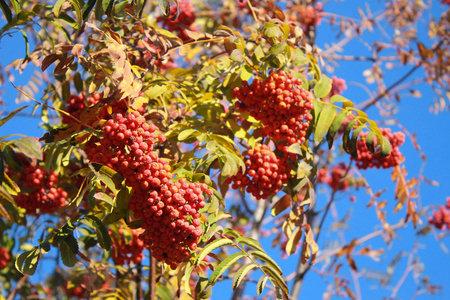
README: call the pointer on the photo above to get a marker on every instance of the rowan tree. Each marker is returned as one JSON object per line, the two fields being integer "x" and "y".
{"x": 182, "y": 138}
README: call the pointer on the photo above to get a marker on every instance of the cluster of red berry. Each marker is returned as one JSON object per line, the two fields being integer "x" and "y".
{"x": 4, "y": 257}
{"x": 265, "y": 173}
{"x": 40, "y": 194}
{"x": 186, "y": 17}
{"x": 335, "y": 180}
{"x": 171, "y": 219}
{"x": 77, "y": 291}
{"x": 76, "y": 104}
{"x": 308, "y": 15}
{"x": 338, "y": 85}
{"x": 441, "y": 217}
{"x": 279, "y": 105}
{"x": 145, "y": 56}
{"x": 169, "y": 209}
{"x": 366, "y": 159}
{"x": 128, "y": 248}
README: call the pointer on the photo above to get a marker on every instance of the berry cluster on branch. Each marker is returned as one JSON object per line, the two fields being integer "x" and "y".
{"x": 279, "y": 104}
{"x": 336, "y": 179}
{"x": 127, "y": 250}
{"x": 169, "y": 208}
{"x": 441, "y": 217}
{"x": 265, "y": 173}
{"x": 40, "y": 193}
{"x": 76, "y": 104}
{"x": 4, "y": 257}
{"x": 338, "y": 86}
{"x": 186, "y": 18}
{"x": 367, "y": 159}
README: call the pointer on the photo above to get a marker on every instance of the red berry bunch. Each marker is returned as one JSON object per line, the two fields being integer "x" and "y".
{"x": 241, "y": 4}
{"x": 76, "y": 104}
{"x": 186, "y": 17}
{"x": 278, "y": 104}
{"x": 127, "y": 248}
{"x": 171, "y": 219}
{"x": 169, "y": 209}
{"x": 335, "y": 179}
{"x": 265, "y": 173}
{"x": 366, "y": 159}
{"x": 40, "y": 194}
{"x": 441, "y": 217}
{"x": 307, "y": 16}
{"x": 4, "y": 257}
{"x": 338, "y": 85}
{"x": 126, "y": 146}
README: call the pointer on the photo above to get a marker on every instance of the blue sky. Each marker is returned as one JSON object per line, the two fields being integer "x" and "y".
{"x": 413, "y": 114}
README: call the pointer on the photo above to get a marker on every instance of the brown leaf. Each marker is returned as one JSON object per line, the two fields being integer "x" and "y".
{"x": 293, "y": 241}
{"x": 281, "y": 205}
{"x": 349, "y": 292}
{"x": 77, "y": 50}
{"x": 279, "y": 13}
{"x": 48, "y": 60}
{"x": 62, "y": 67}
{"x": 352, "y": 264}
{"x": 56, "y": 135}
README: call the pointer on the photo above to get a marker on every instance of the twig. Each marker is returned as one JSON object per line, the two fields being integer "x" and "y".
{"x": 302, "y": 269}
{"x": 152, "y": 278}
{"x": 17, "y": 287}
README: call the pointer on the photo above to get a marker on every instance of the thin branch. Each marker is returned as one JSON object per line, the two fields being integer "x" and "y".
{"x": 358, "y": 58}
{"x": 366, "y": 104}
{"x": 302, "y": 269}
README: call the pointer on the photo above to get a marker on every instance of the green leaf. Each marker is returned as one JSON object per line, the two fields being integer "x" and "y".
{"x": 123, "y": 198}
{"x": 240, "y": 274}
{"x": 13, "y": 113}
{"x": 261, "y": 284}
{"x": 107, "y": 6}
{"x": 87, "y": 8}
{"x": 224, "y": 265}
{"x": 67, "y": 247}
{"x": 6, "y": 11}
{"x": 30, "y": 147}
{"x": 370, "y": 138}
{"x": 210, "y": 247}
{"x": 278, "y": 48}
{"x": 334, "y": 128}
{"x": 108, "y": 176}
{"x": 102, "y": 233}
{"x": 237, "y": 55}
{"x": 326, "y": 118}
{"x": 187, "y": 278}
{"x": 76, "y": 6}
{"x": 57, "y": 7}
{"x": 385, "y": 148}
{"x": 323, "y": 87}
{"x": 354, "y": 142}
{"x": 27, "y": 262}
{"x": 185, "y": 134}
{"x": 249, "y": 242}
{"x": 165, "y": 7}
{"x": 232, "y": 232}
{"x": 266, "y": 258}
{"x": 16, "y": 6}
{"x": 346, "y": 135}
{"x": 273, "y": 31}
{"x": 339, "y": 98}
{"x": 277, "y": 277}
